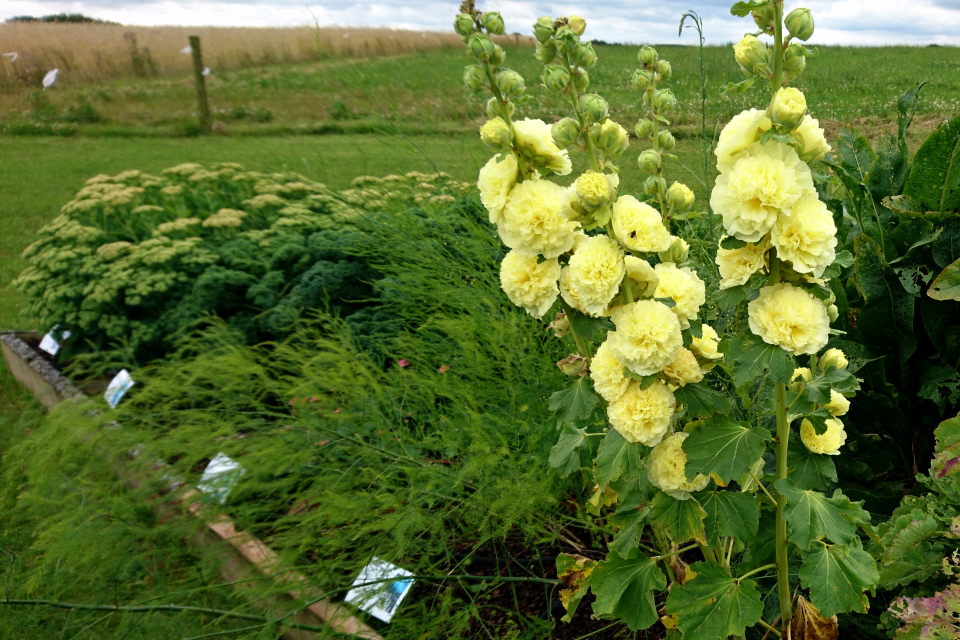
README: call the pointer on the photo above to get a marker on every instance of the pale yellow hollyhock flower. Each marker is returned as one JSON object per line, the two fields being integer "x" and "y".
{"x": 827, "y": 443}
{"x": 528, "y": 284}
{"x": 812, "y": 139}
{"x": 807, "y": 238}
{"x": 638, "y": 226}
{"x": 838, "y": 405}
{"x": 737, "y": 265}
{"x": 764, "y": 183}
{"x": 596, "y": 190}
{"x": 533, "y": 219}
{"x": 707, "y": 344}
{"x": 569, "y": 292}
{"x": 495, "y": 133}
{"x": 684, "y": 370}
{"x": 640, "y": 272}
{"x": 790, "y": 318}
{"x": 642, "y": 415}
{"x": 596, "y": 270}
{"x": 789, "y": 107}
{"x": 680, "y": 196}
{"x": 685, "y": 288}
{"x": 647, "y": 338}
{"x": 666, "y": 469}
{"x": 497, "y": 178}
{"x": 742, "y": 131}
{"x": 535, "y": 140}
{"x": 607, "y": 374}
{"x": 833, "y": 358}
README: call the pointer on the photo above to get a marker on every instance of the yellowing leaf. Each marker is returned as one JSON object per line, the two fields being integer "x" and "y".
{"x": 808, "y": 624}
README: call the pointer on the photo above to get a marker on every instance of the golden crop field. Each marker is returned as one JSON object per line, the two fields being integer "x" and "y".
{"x": 89, "y": 53}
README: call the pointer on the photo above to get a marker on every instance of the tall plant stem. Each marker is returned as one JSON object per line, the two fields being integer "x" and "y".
{"x": 582, "y": 350}
{"x": 504, "y": 110}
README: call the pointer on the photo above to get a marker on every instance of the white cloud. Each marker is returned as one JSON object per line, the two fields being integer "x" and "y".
{"x": 838, "y": 21}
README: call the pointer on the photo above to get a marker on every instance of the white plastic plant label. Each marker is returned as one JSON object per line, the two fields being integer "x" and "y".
{"x": 381, "y": 599}
{"x": 50, "y": 344}
{"x": 120, "y": 384}
{"x": 220, "y": 476}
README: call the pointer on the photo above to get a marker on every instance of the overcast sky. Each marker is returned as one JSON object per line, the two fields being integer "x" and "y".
{"x": 864, "y": 22}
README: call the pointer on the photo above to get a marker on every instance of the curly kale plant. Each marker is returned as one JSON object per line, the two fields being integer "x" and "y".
{"x": 136, "y": 257}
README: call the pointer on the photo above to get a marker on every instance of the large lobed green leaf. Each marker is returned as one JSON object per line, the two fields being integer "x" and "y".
{"x": 576, "y": 402}
{"x": 701, "y": 401}
{"x": 752, "y": 357}
{"x": 837, "y": 576}
{"x": 714, "y": 605}
{"x": 887, "y": 314}
{"x": 624, "y": 588}
{"x": 724, "y": 447}
{"x": 730, "y": 513}
{"x": 812, "y": 516}
{"x": 682, "y": 519}
{"x": 935, "y": 176}
{"x": 565, "y": 455}
{"x": 616, "y": 457}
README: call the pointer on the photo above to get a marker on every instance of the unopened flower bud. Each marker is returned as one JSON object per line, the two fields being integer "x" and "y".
{"x": 498, "y": 56}
{"x": 492, "y": 21}
{"x": 481, "y": 46}
{"x": 578, "y": 24}
{"x": 474, "y": 77}
{"x": 833, "y": 358}
{"x": 680, "y": 197}
{"x": 664, "y": 101}
{"x": 567, "y": 40}
{"x": 644, "y": 129}
{"x": 586, "y": 56}
{"x": 493, "y": 108}
{"x": 653, "y": 185}
{"x": 581, "y": 79}
{"x": 664, "y": 70}
{"x": 649, "y": 161}
{"x": 594, "y": 107}
{"x": 800, "y": 375}
{"x": 647, "y": 55}
{"x": 565, "y": 132}
{"x": 793, "y": 61}
{"x": 789, "y": 107}
{"x": 573, "y": 365}
{"x": 799, "y": 23}
{"x": 613, "y": 138}
{"x": 510, "y": 83}
{"x": 677, "y": 253}
{"x": 833, "y": 312}
{"x": 560, "y": 326}
{"x": 545, "y": 52}
{"x": 555, "y": 78}
{"x": 594, "y": 190}
{"x": 641, "y": 79}
{"x": 666, "y": 140}
{"x": 463, "y": 24}
{"x": 765, "y": 17}
{"x": 495, "y": 133}
{"x": 752, "y": 56}
{"x": 543, "y": 28}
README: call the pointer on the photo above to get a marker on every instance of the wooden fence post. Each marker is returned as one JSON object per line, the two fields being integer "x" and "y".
{"x": 202, "y": 105}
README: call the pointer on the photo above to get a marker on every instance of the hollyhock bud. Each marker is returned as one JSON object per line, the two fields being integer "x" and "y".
{"x": 581, "y": 79}
{"x": 666, "y": 140}
{"x": 789, "y": 107}
{"x": 560, "y": 326}
{"x": 481, "y": 47}
{"x": 752, "y": 55}
{"x": 664, "y": 100}
{"x": 793, "y": 62}
{"x": 565, "y": 132}
{"x": 586, "y": 56}
{"x": 833, "y": 312}
{"x": 833, "y": 358}
{"x": 664, "y": 70}
{"x": 799, "y": 23}
{"x": 765, "y": 17}
{"x": 543, "y": 29}
{"x": 680, "y": 197}
{"x": 492, "y": 21}
{"x": 594, "y": 107}
{"x": 567, "y": 40}
{"x": 613, "y": 138}
{"x": 644, "y": 128}
{"x": 573, "y": 365}
{"x": 498, "y": 55}
{"x": 647, "y": 55}
{"x": 641, "y": 79}
{"x": 653, "y": 185}
{"x": 546, "y": 52}
{"x": 474, "y": 77}
{"x": 510, "y": 83}
{"x": 555, "y": 78}
{"x": 495, "y": 134}
{"x": 649, "y": 161}
{"x": 578, "y": 24}
{"x": 463, "y": 24}
{"x": 678, "y": 251}
{"x": 493, "y": 110}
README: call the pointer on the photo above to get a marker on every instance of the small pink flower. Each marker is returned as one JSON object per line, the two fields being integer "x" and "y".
{"x": 293, "y": 401}
{"x": 443, "y": 368}
{"x": 313, "y": 399}
{"x": 337, "y": 410}
{"x": 403, "y": 363}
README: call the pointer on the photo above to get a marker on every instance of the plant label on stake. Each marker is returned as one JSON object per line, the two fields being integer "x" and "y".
{"x": 381, "y": 599}
{"x": 120, "y": 384}
{"x": 220, "y": 476}
{"x": 50, "y": 344}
